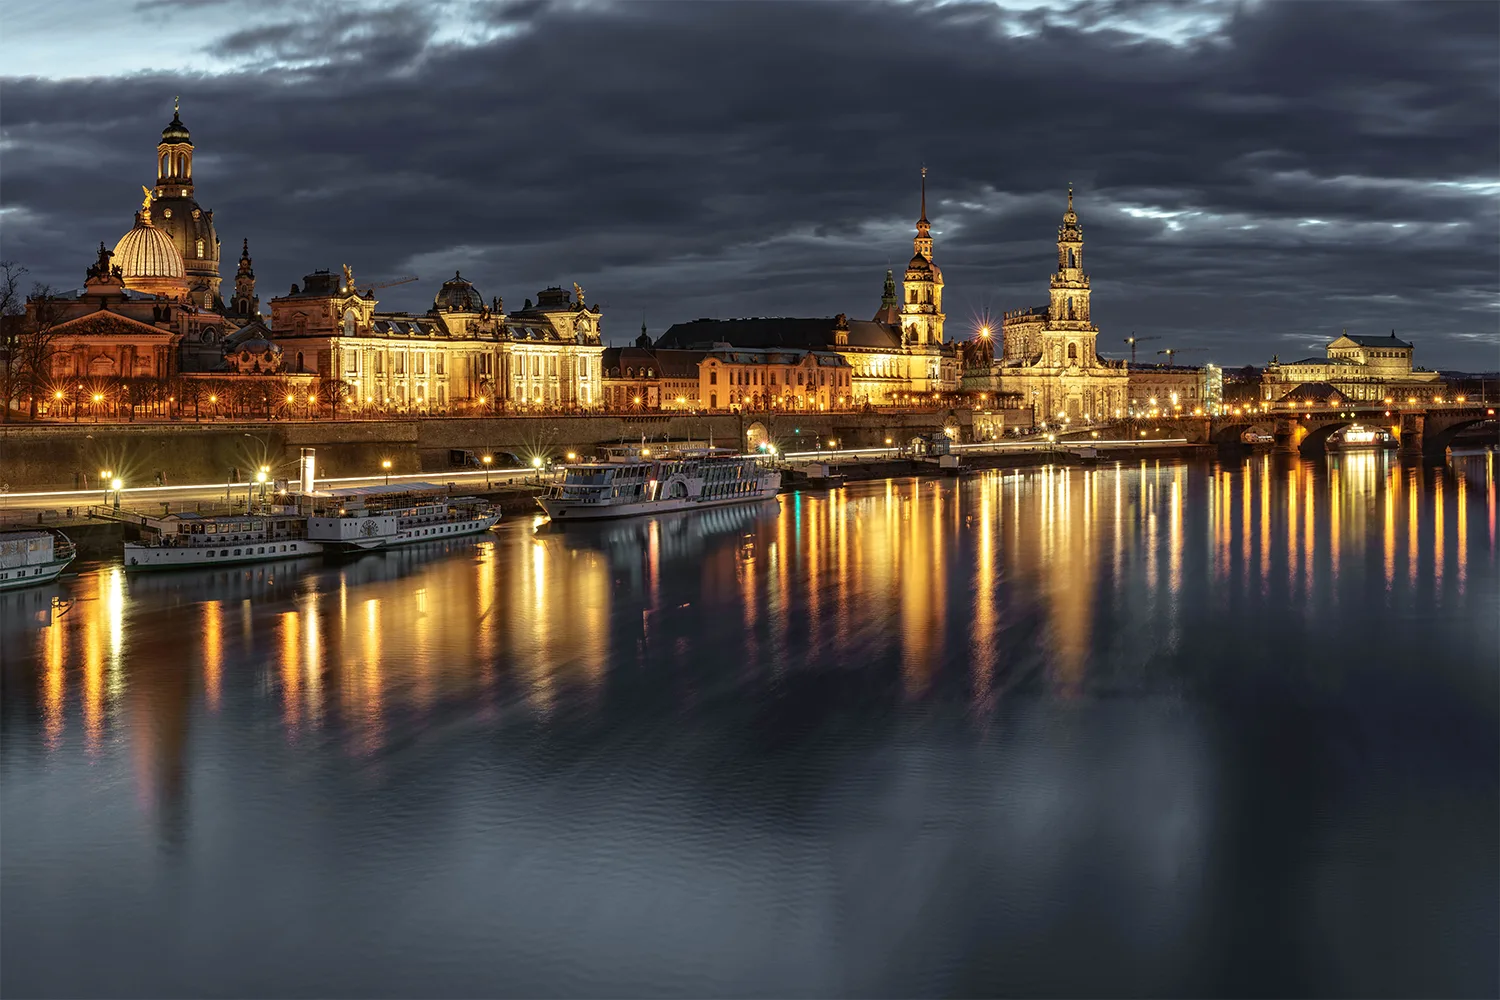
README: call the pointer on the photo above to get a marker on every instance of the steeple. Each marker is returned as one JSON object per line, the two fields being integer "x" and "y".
{"x": 922, "y": 312}
{"x": 246, "y": 303}
{"x": 890, "y": 305}
{"x": 923, "y": 242}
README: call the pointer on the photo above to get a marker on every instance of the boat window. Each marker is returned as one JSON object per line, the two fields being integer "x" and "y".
{"x": 236, "y": 551}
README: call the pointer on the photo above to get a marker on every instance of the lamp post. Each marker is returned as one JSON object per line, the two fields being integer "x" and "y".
{"x": 97, "y": 399}
{"x": 117, "y": 485}
{"x": 260, "y": 477}
{"x": 386, "y": 465}
{"x": 104, "y": 478}
{"x": 487, "y": 460}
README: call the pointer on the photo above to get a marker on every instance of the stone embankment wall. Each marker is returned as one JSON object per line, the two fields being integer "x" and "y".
{"x": 54, "y": 455}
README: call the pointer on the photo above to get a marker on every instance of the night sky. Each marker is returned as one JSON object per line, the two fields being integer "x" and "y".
{"x": 1251, "y": 178}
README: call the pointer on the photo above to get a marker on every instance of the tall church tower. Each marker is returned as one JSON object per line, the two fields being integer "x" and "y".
{"x": 922, "y": 312}
{"x": 1070, "y": 285}
{"x": 1068, "y": 340}
{"x": 176, "y": 213}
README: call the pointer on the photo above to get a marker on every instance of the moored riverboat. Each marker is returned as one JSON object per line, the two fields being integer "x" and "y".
{"x": 364, "y": 519}
{"x": 28, "y": 558}
{"x": 181, "y": 541}
{"x": 686, "y": 480}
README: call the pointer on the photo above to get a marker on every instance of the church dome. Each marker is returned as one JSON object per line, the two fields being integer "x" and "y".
{"x": 458, "y": 295}
{"x": 149, "y": 260}
{"x": 176, "y": 131}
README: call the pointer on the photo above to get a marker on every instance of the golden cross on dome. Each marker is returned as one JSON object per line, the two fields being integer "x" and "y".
{"x": 176, "y": 102}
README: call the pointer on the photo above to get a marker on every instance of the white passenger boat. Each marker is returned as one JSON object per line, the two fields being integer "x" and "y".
{"x": 32, "y": 557}
{"x": 688, "y": 480}
{"x": 179, "y": 541}
{"x": 366, "y": 518}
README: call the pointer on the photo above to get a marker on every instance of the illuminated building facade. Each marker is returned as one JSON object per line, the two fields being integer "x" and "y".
{"x": 1360, "y": 368}
{"x": 1047, "y": 358}
{"x": 644, "y": 378}
{"x": 461, "y": 351}
{"x": 900, "y": 355}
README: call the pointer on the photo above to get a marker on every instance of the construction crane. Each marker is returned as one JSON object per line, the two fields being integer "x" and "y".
{"x": 394, "y": 281}
{"x": 1132, "y": 340}
{"x": 1172, "y": 352}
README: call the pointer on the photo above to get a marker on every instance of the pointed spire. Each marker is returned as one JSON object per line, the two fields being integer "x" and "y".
{"x": 1070, "y": 196}
{"x": 924, "y": 193}
{"x": 176, "y": 106}
{"x": 245, "y": 250}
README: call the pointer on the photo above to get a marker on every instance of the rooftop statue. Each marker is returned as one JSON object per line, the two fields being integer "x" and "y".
{"x": 146, "y": 198}
{"x": 579, "y": 293}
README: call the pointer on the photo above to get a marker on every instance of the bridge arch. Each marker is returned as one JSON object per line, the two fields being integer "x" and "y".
{"x": 1234, "y": 433}
{"x": 1435, "y": 442}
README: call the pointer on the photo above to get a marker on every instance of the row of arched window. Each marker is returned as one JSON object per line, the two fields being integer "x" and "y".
{"x": 174, "y": 165}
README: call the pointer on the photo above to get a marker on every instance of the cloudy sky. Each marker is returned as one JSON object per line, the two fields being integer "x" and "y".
{"x": 1251, "y": 177}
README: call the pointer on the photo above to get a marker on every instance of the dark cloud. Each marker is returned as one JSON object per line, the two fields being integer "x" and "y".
{"x": 1251, "y": 178}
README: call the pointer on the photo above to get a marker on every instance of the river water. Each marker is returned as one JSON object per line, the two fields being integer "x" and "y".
{"x": 1142, "y": 729}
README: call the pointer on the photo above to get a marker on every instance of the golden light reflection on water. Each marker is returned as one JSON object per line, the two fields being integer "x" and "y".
{"x": 990, "y": 574}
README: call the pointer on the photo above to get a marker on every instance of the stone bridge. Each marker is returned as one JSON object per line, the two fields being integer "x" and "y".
{"x": 1422, "y": 430}
{"x": 1425, "y": 431}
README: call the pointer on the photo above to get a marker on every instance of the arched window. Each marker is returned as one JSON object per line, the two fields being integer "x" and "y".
{"x": 349, "y": 319}
{"x": 161, "y": 169}
{"x": 1072, "y": 260}
{"x": 1072, "y": 352}
{"x": 912, "y": 295}
{"x": 200, "y": 249}
{"x": 299, "y": 361}
{"x": 1070, "y": 307}
{"x": 182, "y": 165}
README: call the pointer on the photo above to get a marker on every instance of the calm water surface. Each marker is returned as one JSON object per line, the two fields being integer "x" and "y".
{"x": 1135, "y": 730}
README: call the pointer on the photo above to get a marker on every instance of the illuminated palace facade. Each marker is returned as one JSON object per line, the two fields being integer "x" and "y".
{"x": 1047, "y": 358}
{"x": 462, "y": 351}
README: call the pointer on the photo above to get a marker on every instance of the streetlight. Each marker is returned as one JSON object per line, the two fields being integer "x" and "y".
{"x": 117, "y": 485}
{"x": 487, "y": 460}
{"x": 386, "y": 465}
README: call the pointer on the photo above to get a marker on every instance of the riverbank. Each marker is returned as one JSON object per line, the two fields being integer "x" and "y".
{"x": 40, "y": 457}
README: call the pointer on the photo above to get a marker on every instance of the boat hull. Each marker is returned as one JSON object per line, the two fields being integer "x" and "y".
{"x": 31, "y": 576}
{"x": 568, "y": 511}
{"x": 414, "y": 534}
{"x": 143, "y": 558}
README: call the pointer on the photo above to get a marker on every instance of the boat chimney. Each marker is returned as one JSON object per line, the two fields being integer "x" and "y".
{"x": 306, "y": 469}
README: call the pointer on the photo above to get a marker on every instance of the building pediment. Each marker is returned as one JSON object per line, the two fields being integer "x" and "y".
{"x": 108, "y": 324}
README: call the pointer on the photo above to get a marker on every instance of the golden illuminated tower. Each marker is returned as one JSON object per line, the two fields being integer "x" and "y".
{"x": 176, "y": 213}
{"x": 922, "y": 312}
{"x": 1070, "y": 285}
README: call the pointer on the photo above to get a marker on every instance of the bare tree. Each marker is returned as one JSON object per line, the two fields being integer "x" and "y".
{"x": 29, "y": 341}
{"x": 334, "y": 391}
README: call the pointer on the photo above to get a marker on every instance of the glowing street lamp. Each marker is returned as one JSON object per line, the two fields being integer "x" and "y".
{"x": 386, "y": 465}
{"x": 487, "y": 460}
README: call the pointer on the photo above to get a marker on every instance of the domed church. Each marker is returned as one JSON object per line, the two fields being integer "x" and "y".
{"x": 175, "y": 212}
